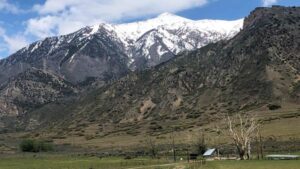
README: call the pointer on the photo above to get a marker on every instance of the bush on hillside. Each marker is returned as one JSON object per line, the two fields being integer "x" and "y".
{"x": 274, "y": 106}
{"x": 29, "y": 145}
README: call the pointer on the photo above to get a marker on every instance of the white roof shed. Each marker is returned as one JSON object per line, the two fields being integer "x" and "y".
{"x": 209, "y": 152}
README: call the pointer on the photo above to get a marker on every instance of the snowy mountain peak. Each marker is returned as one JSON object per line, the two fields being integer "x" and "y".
{"x": 170, "y": 21}
{"x": 166, "y": 14}
{"x": 169, "y": 17}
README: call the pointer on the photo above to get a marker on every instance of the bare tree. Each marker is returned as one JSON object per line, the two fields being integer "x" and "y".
{"x": 242, "y": 131}
{"x": 151, "y": 144}
{"x": 259, "y": 145}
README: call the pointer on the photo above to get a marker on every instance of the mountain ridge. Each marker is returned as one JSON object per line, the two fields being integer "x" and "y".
{"x": 256, "y": 68}
{"x": 152, "y": 39}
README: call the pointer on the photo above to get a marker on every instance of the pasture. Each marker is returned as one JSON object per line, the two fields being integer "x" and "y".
{"x": 80, "y": 162}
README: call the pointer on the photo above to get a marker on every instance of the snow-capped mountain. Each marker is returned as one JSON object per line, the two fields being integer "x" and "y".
{"x": 76, "y": 57}
{"x": 109, "y": 51}
{"x": 153, "y": 41}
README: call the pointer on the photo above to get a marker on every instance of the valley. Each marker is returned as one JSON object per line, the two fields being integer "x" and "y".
{"x": 152, "y": 87}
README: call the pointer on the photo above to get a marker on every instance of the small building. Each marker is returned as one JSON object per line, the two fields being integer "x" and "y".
{"x": 211, "y": 154}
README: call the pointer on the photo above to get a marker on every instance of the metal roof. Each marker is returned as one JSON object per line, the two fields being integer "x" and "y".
{"x": 209, "y": 152}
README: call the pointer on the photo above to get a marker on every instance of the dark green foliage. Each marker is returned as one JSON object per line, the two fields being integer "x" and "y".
{"x": 193, "y": 115}
{"x": 274, "y": 106}
{"x": 29, "y": 145}
{"x": 201, "y": 146}
{"x": 155, "y": 127}
{"x": 201, "y": 149}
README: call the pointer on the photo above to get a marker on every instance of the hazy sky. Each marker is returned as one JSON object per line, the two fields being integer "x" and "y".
{"x": 25, "y": 21}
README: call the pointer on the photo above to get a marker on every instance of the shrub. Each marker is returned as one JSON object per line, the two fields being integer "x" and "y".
{"x": 29, "y": 145}
{"x": 274, "y": 106}
{"x": 89, "y": 137}
{"x": 127, "y": 157}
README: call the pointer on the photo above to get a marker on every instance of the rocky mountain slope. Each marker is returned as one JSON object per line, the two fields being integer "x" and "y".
{"x": 257, "y": 68}
{"x": 31, "y": 89}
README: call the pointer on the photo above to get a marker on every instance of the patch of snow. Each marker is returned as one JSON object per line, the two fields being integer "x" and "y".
{"x": 161, "y": 51}
{"x": 67, "y": 53}
{"x": 37, "y": 45}
{"x": 57, "y": 44}
{"x": 94, "y": 29}
{"x": 72, "y": 58}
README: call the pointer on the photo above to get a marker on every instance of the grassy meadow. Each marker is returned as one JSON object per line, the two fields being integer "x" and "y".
{"x": 252, "y": 164}
{"x": 72, "y": 162}
{"x": 69, "y": 162}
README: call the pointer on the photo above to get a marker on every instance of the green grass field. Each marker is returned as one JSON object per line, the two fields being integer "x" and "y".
{"x": 69, "y": 162}
{"x": 253, "y": 164}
